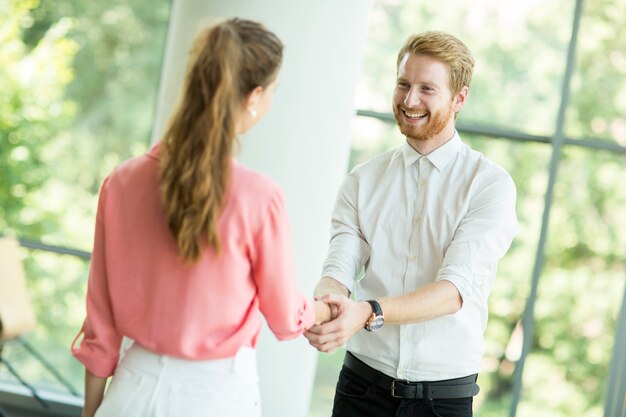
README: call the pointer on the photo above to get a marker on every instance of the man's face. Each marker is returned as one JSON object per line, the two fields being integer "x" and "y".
{"x": 423, "y": 104}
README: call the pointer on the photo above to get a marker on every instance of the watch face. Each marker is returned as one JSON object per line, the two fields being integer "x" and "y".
{"x": 376, "y": 323}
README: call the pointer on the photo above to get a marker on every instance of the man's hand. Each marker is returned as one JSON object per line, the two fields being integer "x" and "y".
{"x": 349, "y": 317}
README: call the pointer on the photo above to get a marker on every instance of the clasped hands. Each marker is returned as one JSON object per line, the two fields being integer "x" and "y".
{"x": 337, "y": 319}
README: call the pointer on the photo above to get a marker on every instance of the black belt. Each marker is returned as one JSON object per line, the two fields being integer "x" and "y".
{"x": 450, "y": 388}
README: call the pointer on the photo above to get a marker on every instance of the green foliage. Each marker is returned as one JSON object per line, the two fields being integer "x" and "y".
{"x": 77, "y": 89}
{"x": 520, "y": 49}
{"x": 81, "y": 79}
{"x": 32, "y": 112}
{"x": 599, "y": 88}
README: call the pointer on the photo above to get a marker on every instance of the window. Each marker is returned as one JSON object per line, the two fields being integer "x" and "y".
{"x": 77, "y": 90}
{"x": 567, "y": 260}
{"x": 78, "y": 85}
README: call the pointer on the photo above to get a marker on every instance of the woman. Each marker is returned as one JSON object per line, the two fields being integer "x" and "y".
{"x": 190, "y": 246}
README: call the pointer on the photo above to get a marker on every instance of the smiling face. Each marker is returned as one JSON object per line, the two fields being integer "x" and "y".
{"x": 423, "y": 104}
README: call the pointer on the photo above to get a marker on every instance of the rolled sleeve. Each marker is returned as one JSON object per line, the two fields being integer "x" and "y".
{"x": 348, "y": 250}
{"x": 287, "y": 311}
{"x": 482, "y": 239}
{"x": 98, "y": 350}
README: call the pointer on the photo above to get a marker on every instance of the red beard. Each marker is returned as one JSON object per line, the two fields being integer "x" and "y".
{"x": 436, "y": 124}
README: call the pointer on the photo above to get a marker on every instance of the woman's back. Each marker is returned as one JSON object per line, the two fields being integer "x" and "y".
{"x": 190, "y": 246}
{"x": 203, "y": 310}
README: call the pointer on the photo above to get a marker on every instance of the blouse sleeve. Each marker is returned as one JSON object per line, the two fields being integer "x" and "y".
{"x": 99, "y": 349}
{"x": 287, "y": 311}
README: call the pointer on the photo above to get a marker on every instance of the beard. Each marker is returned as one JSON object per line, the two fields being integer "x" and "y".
{"x": 436, "y": 124}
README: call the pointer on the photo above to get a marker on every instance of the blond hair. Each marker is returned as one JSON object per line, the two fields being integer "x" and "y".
{"x": 227, "y": 61}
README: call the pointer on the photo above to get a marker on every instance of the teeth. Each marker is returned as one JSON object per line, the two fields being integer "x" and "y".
{"x": 415, "y": 115}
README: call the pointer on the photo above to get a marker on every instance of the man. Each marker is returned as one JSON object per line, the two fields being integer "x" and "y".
{"x": 428, "y": 222}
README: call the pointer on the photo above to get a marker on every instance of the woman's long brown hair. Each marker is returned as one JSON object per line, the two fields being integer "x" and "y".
{"x": 227, "y": 61}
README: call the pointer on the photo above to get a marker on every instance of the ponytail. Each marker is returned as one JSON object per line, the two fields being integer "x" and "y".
{"x": 197, "y": 147}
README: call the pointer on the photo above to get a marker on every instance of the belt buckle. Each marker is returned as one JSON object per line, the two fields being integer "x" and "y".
{"x": 393, "y": 387}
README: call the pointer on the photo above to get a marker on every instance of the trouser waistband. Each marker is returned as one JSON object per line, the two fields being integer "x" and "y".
{"x": 138, "y": 358}
{"x": 398, "y": 388}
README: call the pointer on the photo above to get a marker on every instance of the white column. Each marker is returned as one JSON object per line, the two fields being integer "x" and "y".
{"x": 303, "y": 143}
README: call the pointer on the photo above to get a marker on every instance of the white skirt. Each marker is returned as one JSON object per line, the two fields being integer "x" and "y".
{"x": 149, "y": 385}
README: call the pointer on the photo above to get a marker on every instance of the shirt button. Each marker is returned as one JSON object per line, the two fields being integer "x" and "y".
{"x": 412, "y": 258}
{"x": 422, "y": 183}
{"x": 416, "y": 220}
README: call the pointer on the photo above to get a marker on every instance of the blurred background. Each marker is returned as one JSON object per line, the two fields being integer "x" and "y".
{"x": 78, "y": 85}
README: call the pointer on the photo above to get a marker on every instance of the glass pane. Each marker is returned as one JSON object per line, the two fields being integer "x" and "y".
{"x": 328, "y": 367}
{"x": 598, "y": 100}
{"x": 528, "y": 165}
{"x": 56, "y": 285}
{"x": 78, "y": 81}
{"x": 519, "y": 47}
{"x": 581, "y": 289}
{"x": 78, "y": 84}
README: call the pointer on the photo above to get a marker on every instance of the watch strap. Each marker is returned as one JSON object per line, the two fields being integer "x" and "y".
{"x": 378, "y": 311}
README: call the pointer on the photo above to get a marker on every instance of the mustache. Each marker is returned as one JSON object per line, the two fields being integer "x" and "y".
{"x": 412, "y": 110}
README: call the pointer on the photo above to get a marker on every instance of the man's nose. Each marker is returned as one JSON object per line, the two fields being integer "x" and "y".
{"x": 412, "y": 98}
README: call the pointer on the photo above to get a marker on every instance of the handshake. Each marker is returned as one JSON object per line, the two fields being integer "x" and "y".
{"x": 337, "y": 319}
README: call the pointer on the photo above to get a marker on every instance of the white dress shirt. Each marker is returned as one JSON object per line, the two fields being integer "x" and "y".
{"x": 410, "y": 220}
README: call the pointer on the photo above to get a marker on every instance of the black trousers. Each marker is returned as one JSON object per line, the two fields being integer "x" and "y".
{"x": 356, "y": 397}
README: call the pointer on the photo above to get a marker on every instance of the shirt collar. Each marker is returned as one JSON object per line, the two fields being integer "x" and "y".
{"x": 440, "y": 157}
{"x": 409, "y": 154}
{"x": 155, "y": 151}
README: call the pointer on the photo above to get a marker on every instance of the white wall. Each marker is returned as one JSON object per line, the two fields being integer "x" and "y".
{"x": 303, "y": 143}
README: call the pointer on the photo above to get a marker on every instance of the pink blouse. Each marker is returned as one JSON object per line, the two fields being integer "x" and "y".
{"x": 140, "y": 288}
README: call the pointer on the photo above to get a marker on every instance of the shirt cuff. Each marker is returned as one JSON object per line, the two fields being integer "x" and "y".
{"x": 94, "y": 358}
{"x": 343, "y": 277}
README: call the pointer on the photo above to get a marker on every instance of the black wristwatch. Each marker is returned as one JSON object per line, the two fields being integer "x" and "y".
{"x": 376, "y": 320}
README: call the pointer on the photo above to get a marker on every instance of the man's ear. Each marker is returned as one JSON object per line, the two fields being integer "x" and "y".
{"x": 460, "y": 99}
{"x": 252, "y": 99}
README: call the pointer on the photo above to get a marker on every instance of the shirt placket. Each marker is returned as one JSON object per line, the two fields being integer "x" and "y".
{"x": 421, "y": 174}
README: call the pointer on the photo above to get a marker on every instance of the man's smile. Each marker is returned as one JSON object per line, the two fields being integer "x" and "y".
{"x": 414, "y": 115}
